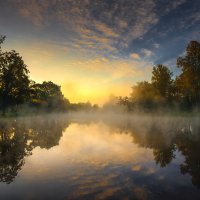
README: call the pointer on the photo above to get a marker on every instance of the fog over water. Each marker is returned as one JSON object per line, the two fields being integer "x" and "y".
{"x": 100, "y": 156}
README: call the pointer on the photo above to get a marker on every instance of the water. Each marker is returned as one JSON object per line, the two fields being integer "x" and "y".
{"x": 114, "y": 157}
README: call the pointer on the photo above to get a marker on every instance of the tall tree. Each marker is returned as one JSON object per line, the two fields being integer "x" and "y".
{"x": 143, "y": 94}
{"x": 48, "y": 95}
{"x": 189, "y": 80}
{"x": 162, "y": 81}
{"x": 2, "y": 38}
{"x": 14, "y": 80}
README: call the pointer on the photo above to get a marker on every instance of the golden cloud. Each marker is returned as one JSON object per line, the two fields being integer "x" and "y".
{"x": 135, "y": 56}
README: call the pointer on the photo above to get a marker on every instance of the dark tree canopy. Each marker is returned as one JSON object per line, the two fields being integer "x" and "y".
{"x": 14, "y": 80}
{"x": 17, "y": 91}
{"x": 162, "y": 80}
{"x": 163, "y": 91}
{"x": 189, "y": 80}
{"x": 2, "y": 38}
{"x": 47, "y": 95}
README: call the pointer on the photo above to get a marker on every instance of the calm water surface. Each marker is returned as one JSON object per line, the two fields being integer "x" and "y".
{"x": 139, "y": 157}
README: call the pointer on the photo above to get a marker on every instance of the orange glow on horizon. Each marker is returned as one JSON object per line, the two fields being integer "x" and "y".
{"x": 93, "y": 94}
{"x": 81, "y": 78}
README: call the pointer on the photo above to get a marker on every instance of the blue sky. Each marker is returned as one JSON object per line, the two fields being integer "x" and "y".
{"x": 104, "y": 45}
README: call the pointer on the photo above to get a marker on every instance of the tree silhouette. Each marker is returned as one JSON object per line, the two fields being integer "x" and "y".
{"x": 189, "y": 80}
{"x": 14, "y": 81}
{"x": 47, "y": 95}
{"x": 162, "y": 81}
{"x": 144, "y": 96}
{"x": 16, "y": 89}
{"x": 2, "y": 38}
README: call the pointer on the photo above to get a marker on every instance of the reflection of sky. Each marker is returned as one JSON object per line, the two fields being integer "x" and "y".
{"x": 97, "y": 162}
{"x": 97, "y": 47}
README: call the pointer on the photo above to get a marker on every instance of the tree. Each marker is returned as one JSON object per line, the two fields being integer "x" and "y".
{"x": 16, "y": 88}
{"x": 127, "y": 102}
{"x": 188, "y": 82}
{"x": 162, "y": 81}
{"x": 14, "y": 80}
{"x": 2, "y": 38}
{"x": 143, "y": 95}
{"x": 47, "y": 95}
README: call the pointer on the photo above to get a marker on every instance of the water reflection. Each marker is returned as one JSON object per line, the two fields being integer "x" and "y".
{"x": 165, "y": 137}
{"x": 125, "y": 156}
{"x": 19, "y": 137}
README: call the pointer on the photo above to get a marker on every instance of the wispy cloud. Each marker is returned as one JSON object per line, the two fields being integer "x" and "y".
{"x": 107, "y": 28}
{"x": 93, "y": 25}
{"x": 112, "y": 70}
{"x": 33, "y": 10}
{"x": 156, "y": 45}
{"x": 167, "y": 6}
{"x": 147, "y": 52}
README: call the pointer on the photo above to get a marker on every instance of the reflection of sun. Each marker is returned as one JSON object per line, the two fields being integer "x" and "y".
{"x": 87, "y": 153}
{"x": 99, "y": 145}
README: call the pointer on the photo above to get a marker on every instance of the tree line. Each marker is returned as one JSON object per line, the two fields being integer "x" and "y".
{"x": 165, "y": 91}
{"x": 19, "y": 93}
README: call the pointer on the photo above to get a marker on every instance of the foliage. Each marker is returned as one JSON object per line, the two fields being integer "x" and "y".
{"x": 126, "y": 102}
{"x": 143, "y": 95}
{"x": 47, "y": 95}
{"x": 14, "y": 81}
{"x": 18, "y": 92}
{"x": 188, "y": 83}
{"x": 165, "y": 93}
{"x": 162, "y": 81}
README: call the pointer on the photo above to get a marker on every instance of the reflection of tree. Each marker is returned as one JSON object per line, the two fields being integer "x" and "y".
{"x": 46, "y": 133}
{"x": 18, "y": 138}
{"x": 164, "y": 156}
{"x": 188, "y": 144}
{"x": 161, "y": 142}
{"x": 13, "y": 149}
{"x": 164, "y": 140}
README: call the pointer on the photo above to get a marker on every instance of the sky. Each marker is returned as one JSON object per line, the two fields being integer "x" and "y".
{"x": 98, "y": 48}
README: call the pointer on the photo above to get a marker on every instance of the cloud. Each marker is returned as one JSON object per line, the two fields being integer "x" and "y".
{"x": 147, "y": 52}
{"x": 135, "y": 56}
{"x": 107, "y": 31}
{"x": 101, "y": 27}
{"x": 96, "y": 26}
{"x": 156, "y": 45}
{"x": 113, "y": 68}
{"x": 33, "y": 10}
{"x": 168, "y": 6}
